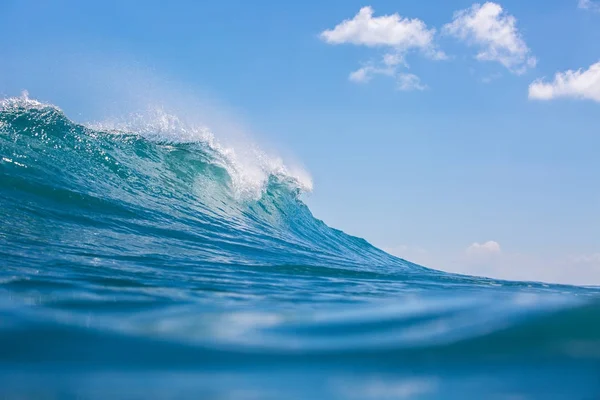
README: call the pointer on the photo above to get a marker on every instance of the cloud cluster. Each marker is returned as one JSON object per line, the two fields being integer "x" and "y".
{"x": 495, "y": 32}
{"x": 578, "y": 84}
{"x": 487, "y": 26}
{"x": 397, "y": 34}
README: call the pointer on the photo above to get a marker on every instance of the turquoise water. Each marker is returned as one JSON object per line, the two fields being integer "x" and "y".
{"x": 155, "y": 263}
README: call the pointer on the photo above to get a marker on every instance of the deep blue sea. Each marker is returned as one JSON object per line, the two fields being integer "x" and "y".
{"x": 152, "y": 262}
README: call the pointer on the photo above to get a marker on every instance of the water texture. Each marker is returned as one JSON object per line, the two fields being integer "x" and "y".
{"x": 149, "y": 261}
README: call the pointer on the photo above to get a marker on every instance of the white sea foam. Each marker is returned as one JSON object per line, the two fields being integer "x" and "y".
{"x": 23, "y": 102}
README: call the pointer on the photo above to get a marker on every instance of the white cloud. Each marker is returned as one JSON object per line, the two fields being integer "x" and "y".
{"x": 393, "y": 59}
{"x": 398, "y": 35}
{"x": 388, "y": 30}
{"x": 365, "y": 74}
{"x": 574, "y": 84}
{"x": 495, "y": 32}
{"x": 408, "y": 82}
{"x": 487, "y": 248}
{"x": 405, "y": 81}
{"x": 592, "y": 5}
{"x": 491, "y": 78}
{"x": 361, "y": 75}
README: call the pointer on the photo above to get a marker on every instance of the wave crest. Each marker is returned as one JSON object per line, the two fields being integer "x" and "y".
{"x": 250, "y": 169}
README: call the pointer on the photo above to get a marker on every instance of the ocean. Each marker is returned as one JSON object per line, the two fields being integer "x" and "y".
{"x": 150, "y": 261}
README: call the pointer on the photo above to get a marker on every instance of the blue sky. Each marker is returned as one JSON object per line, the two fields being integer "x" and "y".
{"x": 457, "y": 146}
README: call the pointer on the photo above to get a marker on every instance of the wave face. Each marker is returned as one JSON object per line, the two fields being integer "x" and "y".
{"x": 154, "y": 262}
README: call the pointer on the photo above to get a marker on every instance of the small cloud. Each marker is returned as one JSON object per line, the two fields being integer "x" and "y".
{"x": 362, "y": 75}
{"x": 592, "y": 5}
{"x": 366, "y": 73}
{"x": 495, "y": 32}
{"x": 393, "y": 59}
{"x": 578, "y": 84}
{"x": 408, "y": 82}
{"x": 487, "y": 248}
{"x": 491, "y": 78}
